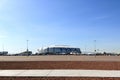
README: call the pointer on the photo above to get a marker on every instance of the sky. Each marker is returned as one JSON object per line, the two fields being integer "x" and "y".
{"x": 60, "y": 22}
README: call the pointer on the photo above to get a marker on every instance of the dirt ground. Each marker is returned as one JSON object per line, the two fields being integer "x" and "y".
{"x": 60, "y": 62}
{"x": 60, "y": 58}
{"x": 56, "y": 78}
{"x": 92, "y": 65}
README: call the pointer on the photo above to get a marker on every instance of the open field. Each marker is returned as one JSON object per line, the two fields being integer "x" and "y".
{"x": 93, "y": 65}
{"x": 60, "y": 58}
{"x": 60, "y": 62}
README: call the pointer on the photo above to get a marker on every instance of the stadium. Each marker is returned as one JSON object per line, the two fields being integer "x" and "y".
{"x": 59, "y": 50}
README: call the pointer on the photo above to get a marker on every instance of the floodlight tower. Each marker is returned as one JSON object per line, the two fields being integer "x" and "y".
{"x": 95, "y": 47}
{"x": 85, "y": 48}
{"x": 27, "y": 46}
{"x": 3, "y": 47}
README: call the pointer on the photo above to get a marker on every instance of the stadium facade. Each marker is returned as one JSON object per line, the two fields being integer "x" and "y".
{"x": 59, "y": 50}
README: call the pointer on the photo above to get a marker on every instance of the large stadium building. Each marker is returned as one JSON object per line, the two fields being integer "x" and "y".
{"x": 59, "y": 50}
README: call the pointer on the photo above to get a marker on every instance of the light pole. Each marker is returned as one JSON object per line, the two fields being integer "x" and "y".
{"x": 3, "y": 48}
{"x": 95, "y": 47}
{"x": 27, "y": 45}
{"x": 85, "y": 48}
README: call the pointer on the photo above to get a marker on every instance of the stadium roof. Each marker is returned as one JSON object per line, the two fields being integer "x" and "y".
{"x": 60, "y": 46}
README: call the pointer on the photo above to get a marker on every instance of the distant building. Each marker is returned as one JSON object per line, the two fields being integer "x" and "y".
{"x": 4, "y": 53}
{"x": 59, "y": 50}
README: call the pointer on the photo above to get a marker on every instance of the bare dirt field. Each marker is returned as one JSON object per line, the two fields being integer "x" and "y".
{"x": 60, "y": 58}
{"x": 94, "y": 65}
{"x": 60, "y": 62}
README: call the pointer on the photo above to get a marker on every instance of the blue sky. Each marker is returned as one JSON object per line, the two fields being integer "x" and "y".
{"x": 64, "y": 22}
